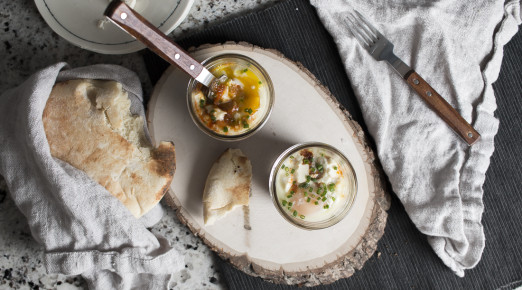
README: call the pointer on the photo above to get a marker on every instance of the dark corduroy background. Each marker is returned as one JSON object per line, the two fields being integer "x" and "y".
{"x": 406, "y": 260}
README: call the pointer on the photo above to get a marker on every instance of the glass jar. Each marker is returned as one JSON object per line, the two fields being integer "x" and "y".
{"x": 236, "y": 107}
{"x": 313, "y": 185}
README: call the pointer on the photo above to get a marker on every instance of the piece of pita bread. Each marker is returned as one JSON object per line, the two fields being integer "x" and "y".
{"x": 228, "y": 185}
{"x": 88, "y": 124}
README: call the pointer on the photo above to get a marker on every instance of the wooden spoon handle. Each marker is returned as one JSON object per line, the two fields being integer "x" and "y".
{"x": 442, "y": 108}
{"x": 144, "y": 31}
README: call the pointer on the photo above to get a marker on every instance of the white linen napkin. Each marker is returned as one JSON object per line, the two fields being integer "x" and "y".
{"x": 83, "y": 228}
{"x": 457, "y": 47}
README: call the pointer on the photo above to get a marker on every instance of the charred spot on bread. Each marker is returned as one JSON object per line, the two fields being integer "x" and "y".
{"x": 165, "y": 158}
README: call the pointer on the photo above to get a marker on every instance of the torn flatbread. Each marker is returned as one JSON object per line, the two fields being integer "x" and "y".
{"x": 89, "y": 125}
{"x": 228, "y": 185}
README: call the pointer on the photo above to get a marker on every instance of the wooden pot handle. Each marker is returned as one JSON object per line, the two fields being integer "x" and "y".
{"x": 144, "y": 31}
{"x": 443, "y": 108}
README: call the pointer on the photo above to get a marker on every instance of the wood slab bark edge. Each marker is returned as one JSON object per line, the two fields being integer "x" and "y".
{"x": 345, "y": 265}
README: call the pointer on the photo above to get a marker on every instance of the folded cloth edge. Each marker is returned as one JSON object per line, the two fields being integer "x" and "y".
{"x": 487, "y": 124}
{"x": 473, "y": 176}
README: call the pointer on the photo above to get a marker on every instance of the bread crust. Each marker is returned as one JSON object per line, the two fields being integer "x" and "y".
{"x": 89, "y": 125}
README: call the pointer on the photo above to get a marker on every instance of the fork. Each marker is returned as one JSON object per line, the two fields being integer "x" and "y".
{"x": 381, "y": 48}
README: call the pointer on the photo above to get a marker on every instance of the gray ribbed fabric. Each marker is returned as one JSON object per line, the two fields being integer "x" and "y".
{"x": 406, "y": 259}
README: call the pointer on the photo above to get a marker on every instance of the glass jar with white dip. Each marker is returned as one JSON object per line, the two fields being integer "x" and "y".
{"x": 313, "y": 185}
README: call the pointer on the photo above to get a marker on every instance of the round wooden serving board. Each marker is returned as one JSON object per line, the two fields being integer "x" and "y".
{"x": 271, "y": 247}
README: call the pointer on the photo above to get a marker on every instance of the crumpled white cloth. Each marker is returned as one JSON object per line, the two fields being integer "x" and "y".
{"x": 83, "y": 228}
{"x": 457, "y": 47}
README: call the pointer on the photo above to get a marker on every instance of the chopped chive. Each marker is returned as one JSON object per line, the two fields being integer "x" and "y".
{"x": 324, "y": 199}
{"x": 308, "y": 199}
{"x": 306, "y": 161}
{"x": 331, "y": 187}
{"x": 314, "y": 179}
{"x": 292, "y": 192}
{"x": 225, "y": 129}
{"x": 308, "y": 178}
{"x": 287, "y": 169}
{"x": 249, "y": 110}
{"x": 292, "y": 157}
{"x": 295, "y": 213}
{"x": 290, "y": 203}
{"x": 319, "y": 167}
{"x": 305, "y": 193}
{"x": 245, "y": 125}
{"x": 333, "y": 198}
{"x": 335, "y": 167}
{"x": 245, "y": 70}
{"x": 201, "y": 103}
{"x": 310, "y": 189}
{"x": 302, "y": 217}
{"x": 326, "y": 206}
{"x": 312, "y": 169}
{"x": 289, "y": 196}
{"x": 292, "y": 171}
{"x": 213, "y": 118}
{"x": 288, "y": 208}
{"x": 316, "y": 203}
{"x": 260, "y": 82}
{"x": 283, "y": 166}
{"x": 284, "y": 202}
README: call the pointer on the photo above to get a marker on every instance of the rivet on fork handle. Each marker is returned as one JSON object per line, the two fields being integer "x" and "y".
{"x": 152, "y": 37}
{"x": 442, "y": 108}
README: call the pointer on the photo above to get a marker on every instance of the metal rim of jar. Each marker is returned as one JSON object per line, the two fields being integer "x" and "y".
{"x": 303, "y": 224}
{"x": 271, "y": 96}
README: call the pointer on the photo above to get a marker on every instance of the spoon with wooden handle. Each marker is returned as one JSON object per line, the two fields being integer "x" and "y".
{"x": 141, "y": 29}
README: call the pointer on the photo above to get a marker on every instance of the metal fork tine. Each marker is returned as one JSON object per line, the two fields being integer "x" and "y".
{"x": 381, "y": 49}
{"x": 359, "y": 38}
{"x": 375, "y": 32}
{"x": 370, "y": 35}
{"x": 362, "y": 40}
